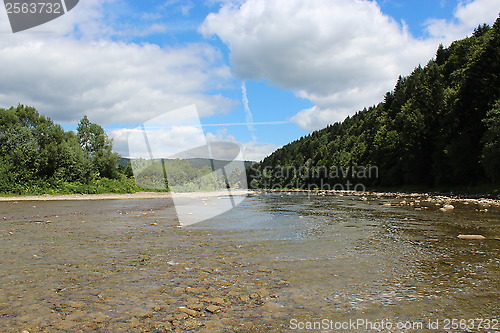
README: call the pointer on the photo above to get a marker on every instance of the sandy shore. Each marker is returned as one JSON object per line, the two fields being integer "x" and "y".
{"x": 111, "y": 196}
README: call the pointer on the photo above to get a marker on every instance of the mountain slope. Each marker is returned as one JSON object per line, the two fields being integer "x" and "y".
{"x": 440, "y": 126}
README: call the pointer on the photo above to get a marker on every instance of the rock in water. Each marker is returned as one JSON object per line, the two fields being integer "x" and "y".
{"x": 471, "y": 237}
{"x": 447, "y": 208}
{"x": 213, "y": 308}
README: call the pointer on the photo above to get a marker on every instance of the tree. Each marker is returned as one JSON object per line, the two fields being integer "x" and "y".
{"x": 20, "y": 157}
{"x": 92, "y": 137}
{"x": 99, "y": 148}
{"x": 491, "y": 144}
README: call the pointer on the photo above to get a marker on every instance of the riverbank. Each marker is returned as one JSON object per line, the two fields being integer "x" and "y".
{"x": 409, "y": 197}
{"x": 413, "y": 199}
{"x": 114, "y": 196}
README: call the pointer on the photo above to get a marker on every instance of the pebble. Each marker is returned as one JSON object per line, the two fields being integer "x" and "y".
{"x": 195, "y": 290}
{"x": 93, "y": 326}
{"x": 188, "y": 311}
{"x": 190, "y": 324}
{"x": 471, "y": 237}
{"x": 447, "y": 208}
{"x": 216, "y": 301}
{"x": 141, "y": 313}
{"x": 196, "y": 306}
{"x": 213, "y": 308}
{"x": 134, "y": 322}
{"x": 181, "y": 316}
{"x": 254, "y": 296}
{"x": 164, "y": 327}
{"x": 67, "y": 325}
{"x": 75, "y": 304}
{"x": 272, "y": 307}
{"x": 98, "y": 317}
{"x": 77, "y": 315}
{"x": 245, "y": 298}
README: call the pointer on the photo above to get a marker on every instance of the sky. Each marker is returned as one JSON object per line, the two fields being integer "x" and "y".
{"x": 260, "y": 73}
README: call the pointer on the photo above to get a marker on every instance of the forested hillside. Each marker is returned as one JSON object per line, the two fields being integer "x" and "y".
{"x": 38, "y": 156}
{"x": 438, "y": 128}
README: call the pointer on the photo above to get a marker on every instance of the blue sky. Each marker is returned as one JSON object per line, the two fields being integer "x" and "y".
{"x": 303, "y": 64}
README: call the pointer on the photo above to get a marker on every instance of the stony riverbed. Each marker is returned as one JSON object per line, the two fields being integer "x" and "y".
{"x": 126, "y": 266}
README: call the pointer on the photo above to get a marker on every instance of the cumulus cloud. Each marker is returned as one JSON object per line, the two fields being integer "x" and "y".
{"x": 340, "y": 54}
{"x": 162, "y": 142}
{"x": 250, "y": 150}
{"x": 256, "y": 151}
{"x": 76, "y": 69}
{"x": 467, "y": 16}
{"x": 166, "y": 142}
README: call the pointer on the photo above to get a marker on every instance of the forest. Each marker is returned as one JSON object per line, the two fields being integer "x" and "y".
{"x": 438, "y": 129}
{"x": 38, "y": 156}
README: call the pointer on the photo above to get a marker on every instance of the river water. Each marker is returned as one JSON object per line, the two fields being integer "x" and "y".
{"x": 278, "y": 262}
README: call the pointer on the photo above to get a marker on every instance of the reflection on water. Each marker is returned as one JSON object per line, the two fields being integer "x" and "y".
{"x": 122, "y": 265}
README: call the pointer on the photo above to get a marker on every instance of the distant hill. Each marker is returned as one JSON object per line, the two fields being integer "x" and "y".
{"x": 200, "y": 163}
{"x": 187, "y": 174}
{"x": 439, "y": 127}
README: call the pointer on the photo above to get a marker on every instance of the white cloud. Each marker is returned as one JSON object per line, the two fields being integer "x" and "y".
{"x": 75, "y": 69}
{"x": 110, "y": 82}
{"x": 467, "y": 16}
{"x": 250, "y": 151}
{"x": 342, "y": 55}
{"x": 315, "y": 116}
{"x": 163, "y": 142}
{"x": 166, "y": 142}
{"x": 256, "y": 151}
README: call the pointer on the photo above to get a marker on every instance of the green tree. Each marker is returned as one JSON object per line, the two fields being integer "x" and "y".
{"x": 20, "y": 160}
{"x": 99, "y": 148}
{"x": 491, "y": 144}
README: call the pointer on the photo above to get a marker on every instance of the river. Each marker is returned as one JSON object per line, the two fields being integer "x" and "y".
{"x": 277, "y": 262}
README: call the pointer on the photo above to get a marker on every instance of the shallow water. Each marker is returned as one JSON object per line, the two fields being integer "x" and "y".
{"x": 275, "y": 263}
